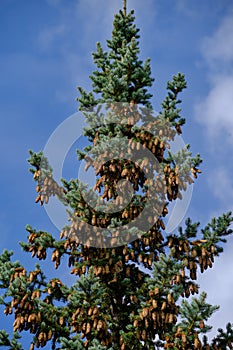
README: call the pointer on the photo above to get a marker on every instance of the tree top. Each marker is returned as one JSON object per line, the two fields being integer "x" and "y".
{"x": 125, "y": 7}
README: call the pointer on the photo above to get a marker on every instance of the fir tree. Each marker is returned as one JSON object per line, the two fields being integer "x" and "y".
{"x": 129, "y": 293}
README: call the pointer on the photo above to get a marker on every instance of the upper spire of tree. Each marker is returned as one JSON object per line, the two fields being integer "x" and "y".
{"x": 120, "y": 76}
{"x": 125, "y": 7}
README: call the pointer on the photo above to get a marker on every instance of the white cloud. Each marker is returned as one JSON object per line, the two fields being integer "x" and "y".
{"x": 215, "y": 111}
{"x": 47, "y": 36}
{"x": 218, "y": 49}
{"x": 221, "y": 184}
{"x": 187, "y": 9}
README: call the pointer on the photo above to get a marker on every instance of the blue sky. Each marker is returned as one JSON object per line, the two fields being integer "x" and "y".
{"x": 45, "y": 53}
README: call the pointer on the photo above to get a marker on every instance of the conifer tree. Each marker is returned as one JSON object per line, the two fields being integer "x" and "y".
{"x": 135, "y": 288}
